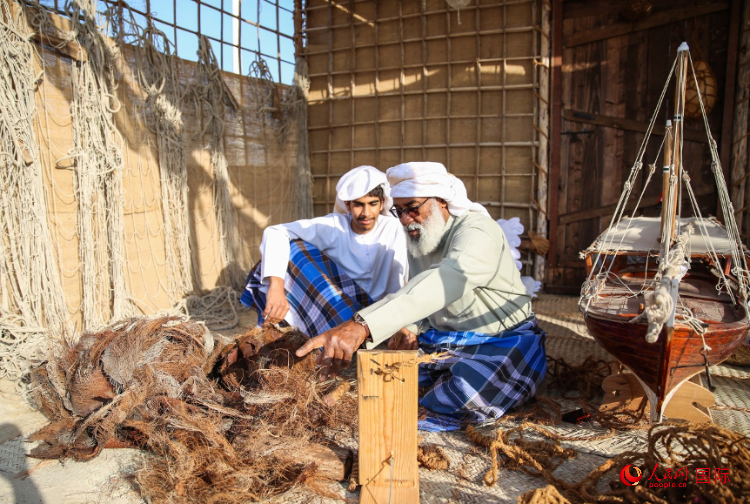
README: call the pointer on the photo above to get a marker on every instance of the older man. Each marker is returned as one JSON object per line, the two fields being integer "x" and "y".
{"x": 316, "y": 273}
{"x": 464, "y": 295}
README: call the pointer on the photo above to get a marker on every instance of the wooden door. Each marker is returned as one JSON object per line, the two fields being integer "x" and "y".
{"x": 615, "y": 60}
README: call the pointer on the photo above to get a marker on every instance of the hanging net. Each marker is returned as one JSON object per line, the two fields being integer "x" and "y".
{"x": 135, "y": 182}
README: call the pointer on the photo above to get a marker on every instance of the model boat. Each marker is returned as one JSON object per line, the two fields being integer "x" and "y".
{"x": 668, "y": 296}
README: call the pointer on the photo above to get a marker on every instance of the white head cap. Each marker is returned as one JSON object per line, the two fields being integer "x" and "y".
{"x": 431, "y": 180}
{"x": 358, "y": 182}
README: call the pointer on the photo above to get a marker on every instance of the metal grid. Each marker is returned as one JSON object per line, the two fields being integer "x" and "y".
{"x": 401, "y": 81}
{"x": 241, "y": 31}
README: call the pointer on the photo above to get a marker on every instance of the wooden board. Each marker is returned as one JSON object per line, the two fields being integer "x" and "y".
{"x": 388, "y": 469}
{"x": 690, "y": 402}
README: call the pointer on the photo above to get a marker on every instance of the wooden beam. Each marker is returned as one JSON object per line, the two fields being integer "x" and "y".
{"x": 602, "y": 211}
{"x": 388, "y": 469}
{"x": 627, "y": 124}
{"x": 658, "y": 19}
{"x": 571, "y": 261}
{"x": 725, "y": 150}
{"x": 556, "y": 128}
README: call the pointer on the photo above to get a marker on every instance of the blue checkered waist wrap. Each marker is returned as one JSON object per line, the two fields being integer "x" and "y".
{"x": 484, "y": 376}
{"x": 320, "y": 294}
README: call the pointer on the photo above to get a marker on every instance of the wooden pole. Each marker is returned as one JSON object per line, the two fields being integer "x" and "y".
{"x": 542, "y": 153}
{"x": 555, "y": 135}
{"x": 388, "y": 469}
{"x": 666, "y": 173}
{"x": 679, "y": 114}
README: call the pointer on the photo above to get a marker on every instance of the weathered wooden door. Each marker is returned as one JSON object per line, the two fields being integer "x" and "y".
{"x": 615, "y": 58}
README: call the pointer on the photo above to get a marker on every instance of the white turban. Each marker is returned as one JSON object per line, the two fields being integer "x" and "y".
{"x": 431, "y": 180}
{"x": 358, "y": 182}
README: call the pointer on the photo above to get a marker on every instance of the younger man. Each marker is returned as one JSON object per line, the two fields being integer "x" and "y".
{"x": 316, "y": 273}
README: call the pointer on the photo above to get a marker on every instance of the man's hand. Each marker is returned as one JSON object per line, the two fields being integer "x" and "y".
{"x": 339, "y": 344}
{"x": 403, "y": 340}
{"x": 276, "y": 304}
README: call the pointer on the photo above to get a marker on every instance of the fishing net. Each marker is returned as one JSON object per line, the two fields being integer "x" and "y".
{"x": 31, "y": 291}
{"x": 137, "y": 183}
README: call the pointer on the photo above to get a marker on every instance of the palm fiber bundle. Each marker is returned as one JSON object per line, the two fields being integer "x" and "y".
{"x": 234, "y": 424}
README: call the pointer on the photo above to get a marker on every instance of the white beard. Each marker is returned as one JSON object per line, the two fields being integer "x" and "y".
{"x": 430, "y": 233}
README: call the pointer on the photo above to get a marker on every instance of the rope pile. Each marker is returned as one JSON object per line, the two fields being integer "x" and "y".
{"x": 677, "y": 453}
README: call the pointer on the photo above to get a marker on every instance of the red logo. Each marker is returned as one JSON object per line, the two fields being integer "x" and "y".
{"x": 628, "y": 478}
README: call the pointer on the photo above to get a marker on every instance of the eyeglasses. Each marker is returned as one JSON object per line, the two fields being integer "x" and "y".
{"x": 412, "y": 211}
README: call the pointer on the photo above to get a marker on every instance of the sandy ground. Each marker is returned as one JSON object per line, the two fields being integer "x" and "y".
{"x": 26, "y": 480}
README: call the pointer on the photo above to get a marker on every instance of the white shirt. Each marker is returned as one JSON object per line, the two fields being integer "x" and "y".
{"x": 377, "y": 261}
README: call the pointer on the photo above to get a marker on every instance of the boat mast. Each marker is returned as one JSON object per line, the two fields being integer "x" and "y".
{"x": 666, "y": 173}
{"x": 674, "y": 149}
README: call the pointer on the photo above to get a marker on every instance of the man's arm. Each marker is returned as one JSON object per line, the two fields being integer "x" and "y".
{"x": 471, "y": 261}
{"x": 277, "y": 305}
{"x": 465, "y": 266}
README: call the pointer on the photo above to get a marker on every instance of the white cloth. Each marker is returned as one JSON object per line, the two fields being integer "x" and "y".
{"x": 377, "y": 261}
{"x": 431, "y": 180}
{"x": 358, "y": 182}
{"x": 513, "y": 229}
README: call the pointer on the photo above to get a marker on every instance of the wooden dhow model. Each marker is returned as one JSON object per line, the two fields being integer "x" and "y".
{"x": 668, "y": 296}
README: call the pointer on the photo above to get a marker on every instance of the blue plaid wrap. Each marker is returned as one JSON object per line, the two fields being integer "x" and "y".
{"x": 485, "y": 376}
{"x": 320, "y": 294}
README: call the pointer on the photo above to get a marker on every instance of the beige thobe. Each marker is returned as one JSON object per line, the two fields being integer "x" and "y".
{"x": 469, "y": 283}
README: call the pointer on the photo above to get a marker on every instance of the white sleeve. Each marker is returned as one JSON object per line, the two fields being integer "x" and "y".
{"x": 275, "y": 248}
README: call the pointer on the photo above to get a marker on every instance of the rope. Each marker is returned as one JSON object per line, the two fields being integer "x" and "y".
{"x": 671, "y": 448}
{"x": 32, "y": 299}
{"x": 157, "y": 75}
{"x": 98, "y": 167}
{"x": 214, "y": 94}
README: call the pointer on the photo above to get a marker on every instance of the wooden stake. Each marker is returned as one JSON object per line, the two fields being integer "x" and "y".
{"x": 388, "y": 470}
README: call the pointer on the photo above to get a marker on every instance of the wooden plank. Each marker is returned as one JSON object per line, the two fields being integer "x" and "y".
{"x": 729, "y": 82}
{"x": 622, "y": 390}
{"x": 658, "y": 19}
{"x": 388, "y": 470}
{"x": 602, "y": 211}
{"x": 585, "y": 8}
{"x": 627, "y": 124}
{"x": 691, "y": 402}
{"x": 542, "y": 154}
{"x": 584, "y": 164}
{"x": 571, "y": 261}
